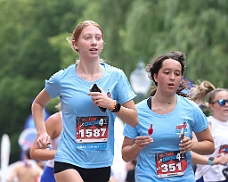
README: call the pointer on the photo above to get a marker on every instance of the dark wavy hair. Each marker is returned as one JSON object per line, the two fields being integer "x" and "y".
{"x": 157, "y": 64}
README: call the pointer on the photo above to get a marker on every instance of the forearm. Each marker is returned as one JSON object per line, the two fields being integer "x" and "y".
{"x": 130, "y": 153}
{"x": 43, "y": 154}
{"x": 38, "y": 115}
{"x": 203, "y": 147}
{"x": 128, "y": 116}
{"x": 128, "y": 113}
{"x": 199, "y": 159}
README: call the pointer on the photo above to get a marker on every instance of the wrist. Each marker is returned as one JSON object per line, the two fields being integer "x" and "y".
{"x": 210, "y": 161}
{"x": 116, "y": 107}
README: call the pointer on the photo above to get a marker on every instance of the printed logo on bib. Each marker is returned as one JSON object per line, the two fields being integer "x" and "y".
{"x": 223, "y": 150}
{"x": 92, "y": 133}
{"x": 170, "y": 164}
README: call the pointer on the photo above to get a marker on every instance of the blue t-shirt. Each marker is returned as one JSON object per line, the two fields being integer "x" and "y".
{"x": 87, "y": 139}
{"x": 161, "y": 160}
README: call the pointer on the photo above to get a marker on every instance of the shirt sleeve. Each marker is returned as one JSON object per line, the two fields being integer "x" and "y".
{"x": 124, "y": 89}
{"x": 130, "y": 131}
{"x": 52, "y": 85}
{"x": 201, "y": 122}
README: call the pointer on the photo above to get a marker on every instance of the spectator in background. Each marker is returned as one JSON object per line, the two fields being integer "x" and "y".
{"x": 28, "y": 171}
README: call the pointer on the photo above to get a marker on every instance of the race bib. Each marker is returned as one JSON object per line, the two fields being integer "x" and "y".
{"x": 92, "y": 132}
{"x": 170, "y": 164}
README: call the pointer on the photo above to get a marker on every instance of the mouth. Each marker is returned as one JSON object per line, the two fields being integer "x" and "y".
{"x": 171, "y": 85}
{"x": 94, "y": 49}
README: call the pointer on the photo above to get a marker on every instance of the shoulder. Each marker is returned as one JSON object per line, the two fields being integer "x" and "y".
{"x": 54, "y": 125}
{"x": 188, "y": 102}
{"x": 142, "y": 105}
{"x": 38, "y": 169}
{"x": 54, "y": 118}
{"x": 63, "y": 72}
{"x": 112, "y": 69}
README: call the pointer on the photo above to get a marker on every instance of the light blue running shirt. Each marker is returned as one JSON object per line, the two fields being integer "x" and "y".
{"x": 161, "y": 160}
{"x": 92, "y": 146}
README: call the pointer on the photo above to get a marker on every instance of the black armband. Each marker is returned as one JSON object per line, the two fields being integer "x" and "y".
{"x": 117, "y": 108}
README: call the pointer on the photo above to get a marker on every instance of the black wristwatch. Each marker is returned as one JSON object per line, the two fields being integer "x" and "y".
{"x": 210, "y": 160}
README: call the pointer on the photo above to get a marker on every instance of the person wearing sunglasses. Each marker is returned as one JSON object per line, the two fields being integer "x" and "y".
{"x": 217, "y": 103}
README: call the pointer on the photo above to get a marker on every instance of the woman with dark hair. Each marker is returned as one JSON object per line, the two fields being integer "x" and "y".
{"x": 162, "y": 141}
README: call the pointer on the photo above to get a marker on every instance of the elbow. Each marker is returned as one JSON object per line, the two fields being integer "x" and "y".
{"x": 135, "y": 121}
{"x": 125, "y": 158}
{"x": 212, "y": 149}
{"x": 32, "y": 155}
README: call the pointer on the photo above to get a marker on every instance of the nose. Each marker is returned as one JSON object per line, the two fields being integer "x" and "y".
{"x": 226, "y": 103}
{"x": 172, "y": 76}
{"x": 94, "y": 41}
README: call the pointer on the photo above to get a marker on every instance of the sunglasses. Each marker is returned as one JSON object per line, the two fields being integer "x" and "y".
{"x": 221, "y": 102}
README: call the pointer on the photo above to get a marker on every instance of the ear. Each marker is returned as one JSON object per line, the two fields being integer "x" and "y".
{"x": 102, "y": 46}
{"x": 74, "y": 44}
{"x": 155, "y": 77}
{"x": 211, "y": 107}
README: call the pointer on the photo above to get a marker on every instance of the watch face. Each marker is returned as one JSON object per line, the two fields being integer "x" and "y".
{"x": 211, "y": 158}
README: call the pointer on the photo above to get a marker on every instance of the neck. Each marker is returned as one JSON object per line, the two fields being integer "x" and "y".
{"x": 88, "y": 68}
{"x": 170, "y": 101}
{"x": 89, "y": 72}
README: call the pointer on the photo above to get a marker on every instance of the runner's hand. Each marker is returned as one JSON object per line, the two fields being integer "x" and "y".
{"x": 43, "y": 140}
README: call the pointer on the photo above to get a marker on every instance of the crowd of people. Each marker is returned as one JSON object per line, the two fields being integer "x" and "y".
{"x": 164, "y": 135}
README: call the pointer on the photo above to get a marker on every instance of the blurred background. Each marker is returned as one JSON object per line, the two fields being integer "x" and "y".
{"x": 33, "y": 45}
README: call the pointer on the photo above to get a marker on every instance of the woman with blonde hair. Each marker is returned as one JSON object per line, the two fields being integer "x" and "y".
{"x": 92, "y": 93}
{"x": 216, "y": 99}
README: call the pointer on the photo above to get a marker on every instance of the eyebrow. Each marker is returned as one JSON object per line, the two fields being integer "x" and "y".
{"x": 171, "y": 69}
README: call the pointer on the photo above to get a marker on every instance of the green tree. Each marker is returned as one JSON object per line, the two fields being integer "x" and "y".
{"x": 28, "y": 56}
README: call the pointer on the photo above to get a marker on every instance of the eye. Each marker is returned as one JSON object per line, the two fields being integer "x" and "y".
{"x": 87, "y": 37}
{"x": 98, "y": 38}
{"x": 166, "y": 72}
{"x": 177, "y": 74}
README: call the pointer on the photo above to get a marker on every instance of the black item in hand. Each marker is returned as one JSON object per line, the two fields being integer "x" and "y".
{"x": 95, "y": 88}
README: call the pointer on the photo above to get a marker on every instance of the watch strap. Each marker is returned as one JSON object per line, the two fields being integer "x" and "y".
{"x": 210, "y": 160}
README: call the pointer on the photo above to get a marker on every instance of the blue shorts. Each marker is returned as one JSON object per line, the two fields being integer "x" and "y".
{"x": 48, "y": 175}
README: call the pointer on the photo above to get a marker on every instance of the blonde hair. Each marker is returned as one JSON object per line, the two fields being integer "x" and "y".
{"x": 203, "y": 89}
{"x": 58, "y": 106}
